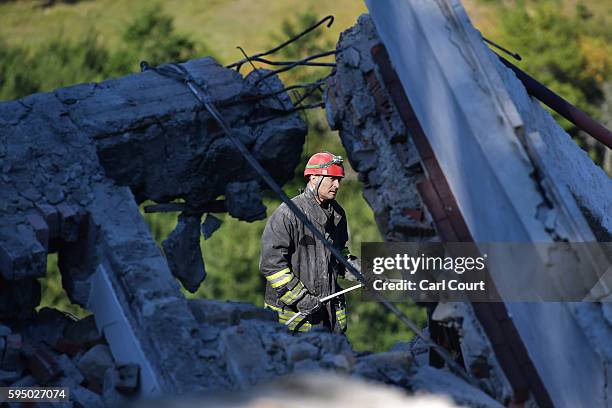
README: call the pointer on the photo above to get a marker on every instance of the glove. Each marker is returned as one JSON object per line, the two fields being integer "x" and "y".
{"x": 368, "y": 277}
{"x": 355, "y": 263}
{"x": 308, "y": 304}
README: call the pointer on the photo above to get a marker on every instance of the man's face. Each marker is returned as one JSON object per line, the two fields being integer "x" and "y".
{"x": 329, "y": 186}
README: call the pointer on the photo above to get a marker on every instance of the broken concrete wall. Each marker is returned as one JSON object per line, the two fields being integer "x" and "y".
{"x": 176, "y": 149}
{"x": 74, "y": 160}
{"x": 73, "y": 187}
{"x": 382, "y": 150}
{"x": 589, "y": 186}
{"x": 162, "y": 151}
{"x": 502, "y": 176}
{"x": 375, "y": 138}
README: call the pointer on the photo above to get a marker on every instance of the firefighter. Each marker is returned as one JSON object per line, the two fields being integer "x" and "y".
{"x": 298, "y": 269}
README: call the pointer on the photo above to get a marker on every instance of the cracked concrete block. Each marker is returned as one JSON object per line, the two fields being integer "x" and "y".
{"x": 138, "y": 159}
{"x": 21, "y": 254}
{"x": 77, "y": 260}
{"x": 215, "y": 312}
{"x": 182, "y": 250}
{"x": 41, "y": 230}
{"x": 47, "y": 327}
{"x": 331, "y": 343}
{"x": 209, "y": 333}
{"x": 210, "y": 225}
{"x": 301, "y": 351}
{"x": 73, "y": 94}
{"x": 351, "y": 57}
{"x": 70, "y": 377}
{"x": 54, "y": 193}
{"x": 447, "y": 312}
{"x": 389, "y": 367}
{"x": 51, "y": 217}
{"x": 476, "y": 348}
{"x": 243, "y": 201}
{"x": 93, "y": 365}
{"x": 110, "y": 395}
{"x": 246, "y": 359}
{"x": 128, "y": 378}
{"x": 365, "y": 159}
{"x": 43, "y": 365}
{"x": 70, "y": 220}
{"x": 18, "y": 299}
{"x": 363, "y": 106}
{"x": 338, "y": 362}
{"x": 83, "y": 332}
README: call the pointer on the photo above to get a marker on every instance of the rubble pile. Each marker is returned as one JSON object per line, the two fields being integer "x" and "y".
{"x": 76, "y": 162}
{"x": 258, "y": 350}
{"x": 62, "y": 151}
{"x": 55, "y": 350}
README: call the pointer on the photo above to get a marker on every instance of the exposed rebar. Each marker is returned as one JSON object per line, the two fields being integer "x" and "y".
{"x": 238, "y": 64}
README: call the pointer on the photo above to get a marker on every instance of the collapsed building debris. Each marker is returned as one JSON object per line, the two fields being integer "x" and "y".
{"x": 75, "y": 164}
{"x": 383, "y": 151}
{"x": 487, "y": 133}
{"x": 246, "y": 339}
{"x": 56, "y": 350}
{"x": 77, "y": 161}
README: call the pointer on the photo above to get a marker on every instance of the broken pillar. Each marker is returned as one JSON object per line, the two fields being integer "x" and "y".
{"x": 487, "y": 119}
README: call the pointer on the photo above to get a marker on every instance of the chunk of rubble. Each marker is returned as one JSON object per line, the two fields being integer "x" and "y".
{"x": 182, "y": 249}
{"x": 93, "y": 364}
{"x": 43, "y": 365}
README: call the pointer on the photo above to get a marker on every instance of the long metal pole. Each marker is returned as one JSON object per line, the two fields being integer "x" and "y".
{"x": 561, "y": 106}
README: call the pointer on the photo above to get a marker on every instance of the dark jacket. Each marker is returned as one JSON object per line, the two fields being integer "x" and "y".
{"x": 295, "y": 263}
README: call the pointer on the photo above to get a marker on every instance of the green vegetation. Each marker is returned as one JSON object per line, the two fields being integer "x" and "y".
{"x": 565, "y": 46}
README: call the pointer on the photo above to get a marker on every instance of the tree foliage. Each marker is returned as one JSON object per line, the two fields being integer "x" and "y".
{"x": 64, "y": 61}
{"x": 569, "y": 52}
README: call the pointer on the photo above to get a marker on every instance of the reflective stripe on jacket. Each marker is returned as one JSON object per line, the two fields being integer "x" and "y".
{"x": 295, "y": 263}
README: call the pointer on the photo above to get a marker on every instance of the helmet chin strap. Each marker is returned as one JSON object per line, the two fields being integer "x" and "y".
{"x": 319, "y": 186}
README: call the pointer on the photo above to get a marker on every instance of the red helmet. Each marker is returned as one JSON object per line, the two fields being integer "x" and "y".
{"x": 325, "y": 164}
